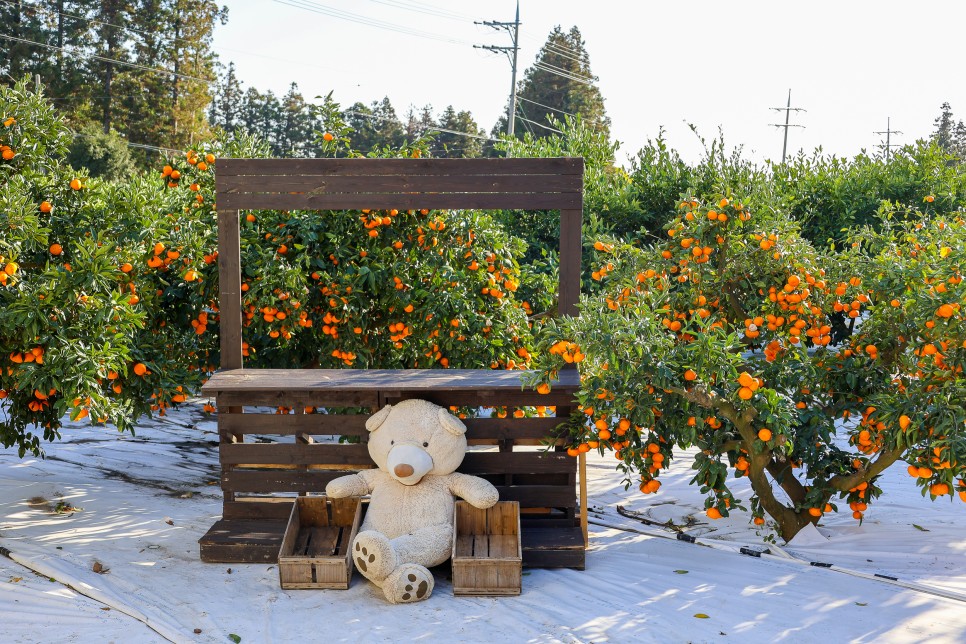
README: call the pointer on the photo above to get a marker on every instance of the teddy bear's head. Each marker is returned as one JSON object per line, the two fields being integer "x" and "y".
{"x": 414, "y": 438}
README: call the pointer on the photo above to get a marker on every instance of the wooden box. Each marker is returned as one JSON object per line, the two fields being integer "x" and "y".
{"x": 487, "y": 552}
{"x": 315, "y": 550}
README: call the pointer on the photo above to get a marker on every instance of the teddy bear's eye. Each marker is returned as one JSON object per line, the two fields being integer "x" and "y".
{"x": 392, "y": 442}
{"x": 425, "y": 444}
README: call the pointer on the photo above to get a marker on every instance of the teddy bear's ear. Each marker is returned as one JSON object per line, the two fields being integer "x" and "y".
{"x": 451, "y": 423}
{"x": 377, "y": 419}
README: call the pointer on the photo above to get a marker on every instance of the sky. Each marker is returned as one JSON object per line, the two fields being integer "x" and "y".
{"x": 853, "y": 65}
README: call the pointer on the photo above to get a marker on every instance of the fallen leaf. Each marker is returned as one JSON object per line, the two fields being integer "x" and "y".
{"x": 861, "y": 603}
{"x": 701, "y": 616}
{"x": 14, "y": 580}
{"x": 105, "y": 608}
{"x": 919, "y": 527}
{"x": 197, "y": 631}
{"x": 234, "y": 638}
{"x": 169, "y": 521}
{"x": 681, "y": 572}
{"x": 98, "y": 567}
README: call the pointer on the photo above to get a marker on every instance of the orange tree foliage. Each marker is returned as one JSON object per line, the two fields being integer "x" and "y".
{"x": 109, "y": 291}
{"x": 720, "y": 341}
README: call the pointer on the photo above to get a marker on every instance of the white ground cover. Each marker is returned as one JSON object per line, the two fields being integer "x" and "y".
{"x": 140, "y": 504}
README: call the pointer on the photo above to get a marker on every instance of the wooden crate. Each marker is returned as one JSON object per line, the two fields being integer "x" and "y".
{"x": 487, "y": 552}
{"x": 315, "y": 550}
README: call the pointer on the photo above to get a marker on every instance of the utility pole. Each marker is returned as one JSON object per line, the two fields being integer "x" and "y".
{"x": 512, "y": 28}
{"x": 788, "y": 109}
{"x": 888, "y": 132}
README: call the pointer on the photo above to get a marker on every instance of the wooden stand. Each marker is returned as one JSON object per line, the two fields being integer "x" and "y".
{"x": 315, "y": 550}
{"x": 487, "y": 552}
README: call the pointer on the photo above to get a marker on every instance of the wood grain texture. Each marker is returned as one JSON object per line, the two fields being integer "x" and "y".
{"x": 229, "y": 287}
{"x": 400, "y": 184}
{"x": 407, "y": 167}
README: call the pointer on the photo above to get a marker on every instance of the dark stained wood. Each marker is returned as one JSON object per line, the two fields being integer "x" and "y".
{"x": 295, "y": 454}
{"x": 485, "y": 397}
{"x": 309, "y": 398}
{"x": 267, "y": 481}
{"x": 539, "y": 496}
{"x": 399, "y": 184}
{"x": 568, "y": 290}
{"x": 511, "y": 428}
{"x": 278, "y": 509}
{"x": 243, "y": 541}
{"x": 251, "y": 381}
{"x": 344, "y": 201}
{"x": 229, "y": 285}
{"x": 288, "y": 424}
{"x": 516, "y": 463}
{"x": 407, "y": 167}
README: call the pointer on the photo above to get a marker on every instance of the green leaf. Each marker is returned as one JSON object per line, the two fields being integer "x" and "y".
{"x": 234, "y": 638}
{"x": 861, "y": 603}
{"x": 701, "y": 616}
{"x": 919, "y": 527}
{"x": 681, "y": 572}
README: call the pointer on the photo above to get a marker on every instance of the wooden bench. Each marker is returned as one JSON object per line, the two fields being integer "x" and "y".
{"x": 267, "y": 458}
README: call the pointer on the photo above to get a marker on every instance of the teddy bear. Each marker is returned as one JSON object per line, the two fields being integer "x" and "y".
{"x": 408, "y": 528}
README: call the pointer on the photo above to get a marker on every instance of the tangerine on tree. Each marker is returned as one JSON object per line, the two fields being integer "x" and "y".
{"x": 736, "y": 357}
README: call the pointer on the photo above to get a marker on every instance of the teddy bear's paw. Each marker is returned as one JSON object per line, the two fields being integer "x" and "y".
{"x": 409, "y": 583}
{"x": 373, "y": 555}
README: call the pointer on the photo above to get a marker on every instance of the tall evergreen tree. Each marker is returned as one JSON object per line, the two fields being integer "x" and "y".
{"x": 949, "y": 134}
{"x": 559, "y": 82}
{"x": 226, "y": 104}
{"x": 451, "y": 144}
{"x": 374, "y": 126}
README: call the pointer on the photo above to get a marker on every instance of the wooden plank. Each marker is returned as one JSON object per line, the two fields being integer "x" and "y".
{"x": 511, "y": 428}
{"x": 398, "y": 184}
{"x": 408, "y": 167}
{"x": 342, "y": 201}
{"x": 575, "y": 559}
{"x": 504, "y": 546}
{"x": 229, "y": 286}
{"x": 582, "y": 466}
{"x": 288, "y": 424}
{"x": 295, "y": 454}
{"x": 310, "y": 398}
{"x": 313, "y": 511}
{"x": 266, "y": 481}
{"x": 254, "y": 381}
{"x": 279, "y": 508}
{"x": 485, "y": 398}
{"x": 539, "y": 496}
{"x": 516, "y": 463}
{"x": 343, "y": 511}
{"x": 464, "y": 546}
{"x": 481, "y": 546}
{"x": 323, "y": 542}
{"x": 250, "y": 531}
{"x": 571, "y": 253}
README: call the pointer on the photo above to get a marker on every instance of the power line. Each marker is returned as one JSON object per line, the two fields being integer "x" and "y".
{"x": 788, "y": 110}
{"x": 109, "y": 60}
{"x": 515, "y": 36}
{"x": 434, "y": 128}
{"x": 134, "y": 145}
{"x": 888, "y": 132}
{"x": 555, "y": 109}
{"x": 559, "y": 72}
{"x": 429, "y": 10}
{"x": 315, "y": 7}
{"x": 94, "y": 21}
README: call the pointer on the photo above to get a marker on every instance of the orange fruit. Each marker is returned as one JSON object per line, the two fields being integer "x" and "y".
{"x": 713, "y": 513}
{"x": 745, "y": 393}
{"x": 327, "y": 136}
{"x": 56, "y": 249}
{"x": 945, "y": 311}
{"x": 75, "y": 184}
{"x": 140, "y": 369}
{"x": 46, "y": 206}
{"x": 690, "y": 375}
{"x": 764, "y": 434}
{"x": 904, "y": 422}
{"x": 815, "y": 512}
{"x": 543, "y": 388}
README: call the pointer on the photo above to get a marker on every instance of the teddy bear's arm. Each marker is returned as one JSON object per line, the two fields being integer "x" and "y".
{"x": 478, "y": 492}
{"x": 352, "y": 485}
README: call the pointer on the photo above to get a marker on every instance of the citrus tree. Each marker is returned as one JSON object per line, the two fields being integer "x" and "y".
{"x": 109, "y": 290}
{"x": 720, "y": 339}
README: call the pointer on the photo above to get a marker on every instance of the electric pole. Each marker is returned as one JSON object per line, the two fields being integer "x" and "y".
{"x": 788, "y": 109}
{"x": 512, "y": 28}
{"x": 888, "y": 132}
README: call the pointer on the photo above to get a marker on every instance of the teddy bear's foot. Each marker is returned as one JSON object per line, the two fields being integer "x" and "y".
{"x": 373, "y": 555}
{"x": 408, "y": 583}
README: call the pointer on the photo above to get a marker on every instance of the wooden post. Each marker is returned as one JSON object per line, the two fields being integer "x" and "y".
{"x": 229, "y": 282}
{"x": 582, "y": 464}
{"x": 571, "y": 251}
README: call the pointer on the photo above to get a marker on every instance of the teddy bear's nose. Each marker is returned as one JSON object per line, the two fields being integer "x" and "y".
{"x": 403, "y": 470}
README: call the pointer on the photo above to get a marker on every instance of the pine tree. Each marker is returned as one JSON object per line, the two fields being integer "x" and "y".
{"x": 449, "y": 144}
{"x": 375, "y": 126}
{"x": 559, "y": 82}
{"x": 226, "y": 104}
{"x": 945, "y": 128}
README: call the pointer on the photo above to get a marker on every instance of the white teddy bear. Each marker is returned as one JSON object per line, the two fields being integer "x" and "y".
{"x": 409, "y": 524}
